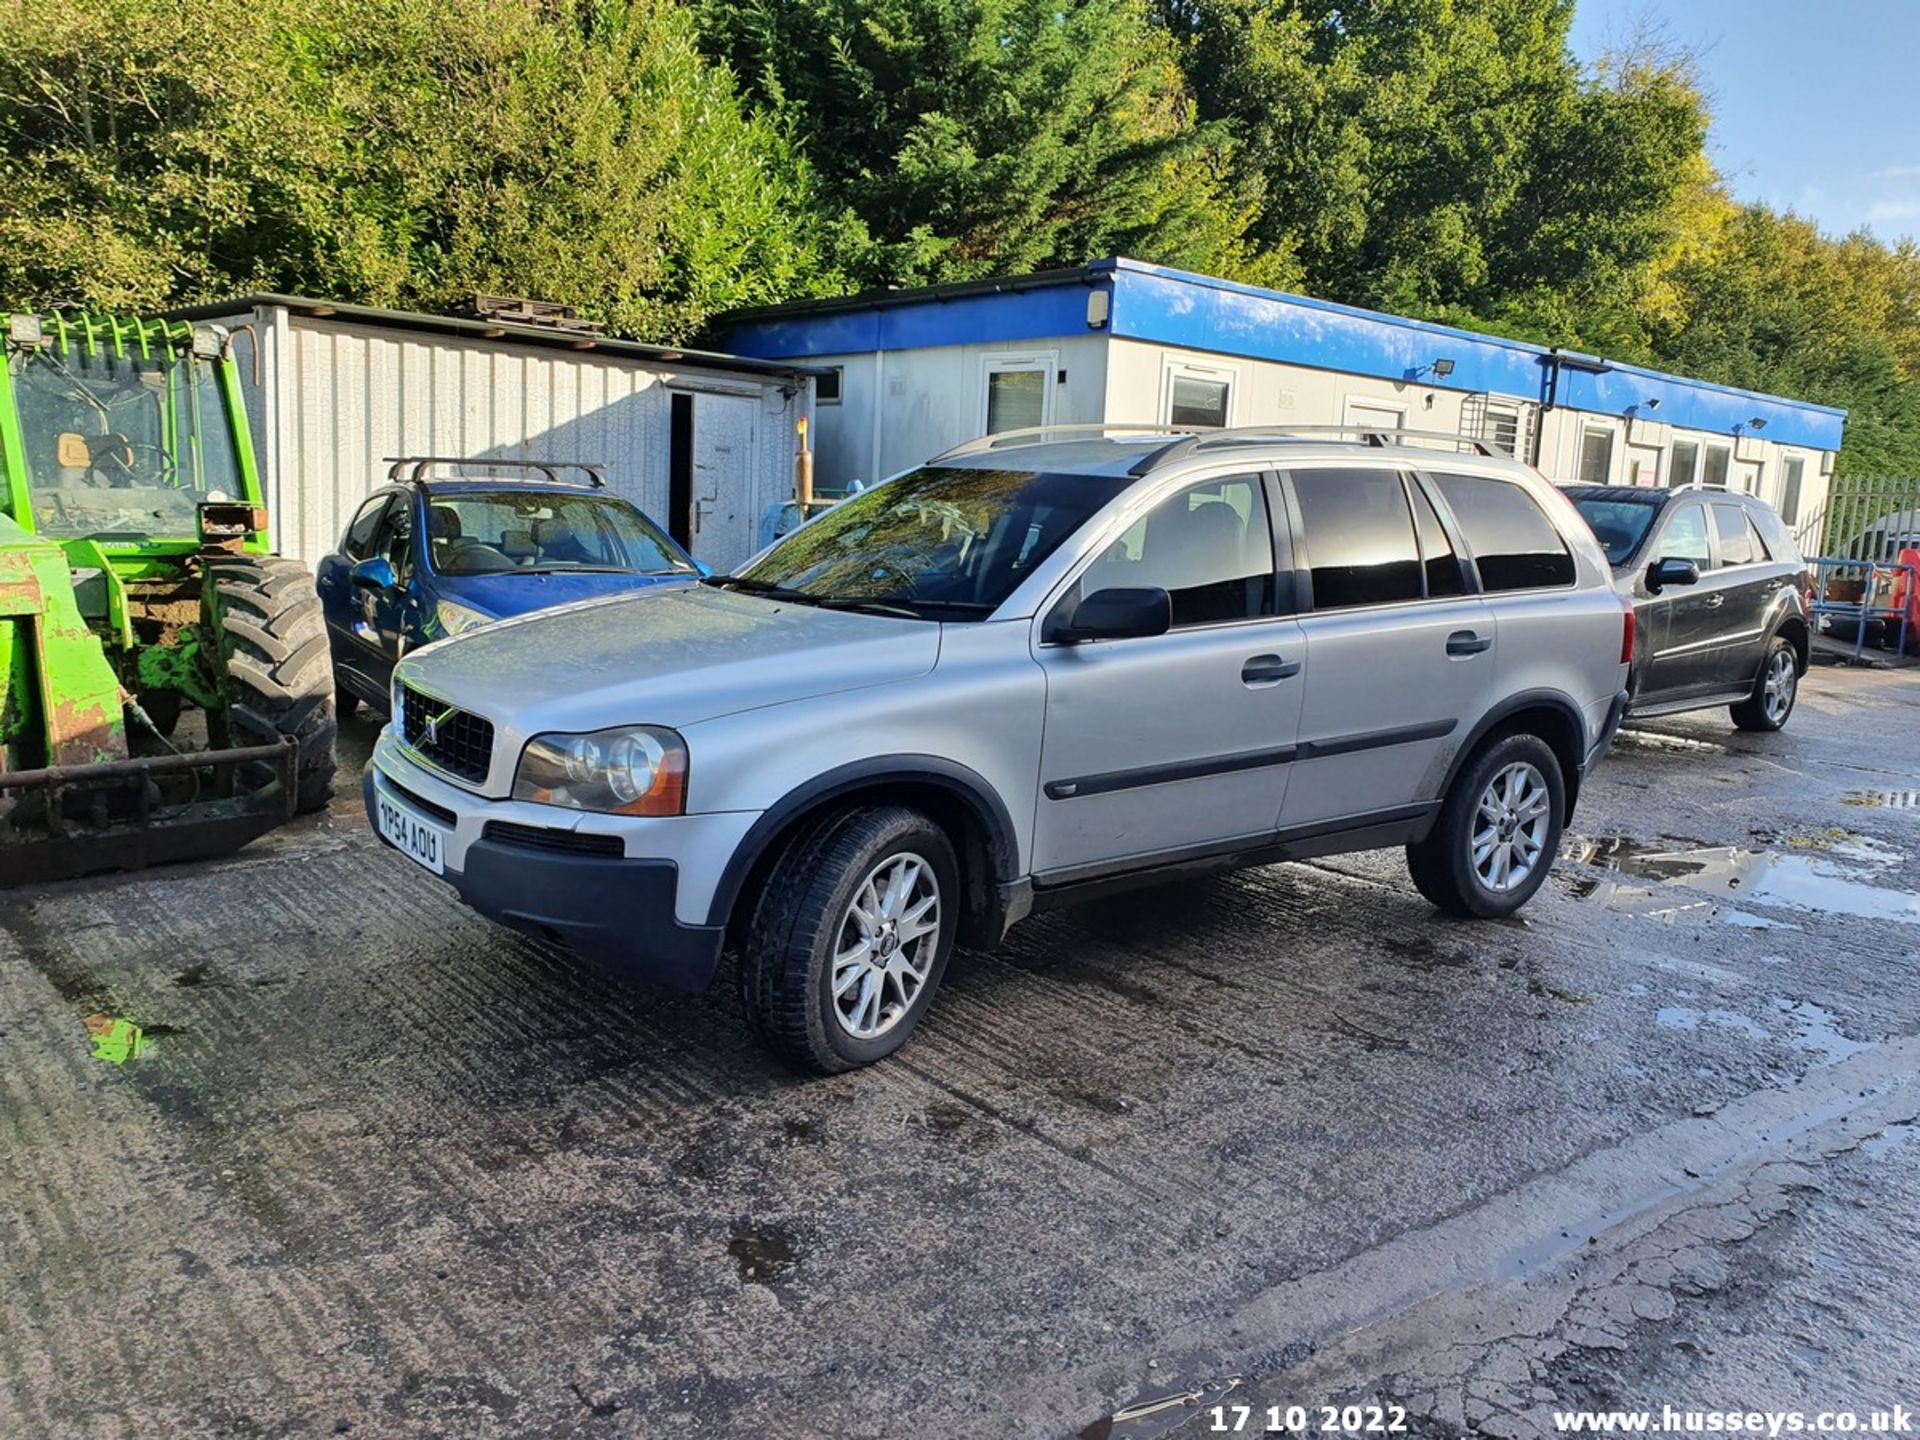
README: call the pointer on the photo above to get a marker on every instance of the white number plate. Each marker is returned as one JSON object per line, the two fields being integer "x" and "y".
{"x": 415, "y": 839}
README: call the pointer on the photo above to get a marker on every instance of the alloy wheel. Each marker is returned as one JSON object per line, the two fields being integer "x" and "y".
{"x": 1510, "y": 826}
{"x": 1777, "y": 693}
{"x": 885, "y": 946}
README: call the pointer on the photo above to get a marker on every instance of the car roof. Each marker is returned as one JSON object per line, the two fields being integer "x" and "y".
{"x": 1137, "y": 451}
{"x": 1625, "y": 494}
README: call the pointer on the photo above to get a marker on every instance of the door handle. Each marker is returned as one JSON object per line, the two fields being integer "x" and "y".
{"x": 1716, "y": 600}
{"x": 1465, "y": 642}
{"x": 1268, "y": 670}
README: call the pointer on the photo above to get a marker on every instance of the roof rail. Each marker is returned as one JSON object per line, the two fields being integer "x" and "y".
{"x": 596, "y": 473}
{"x": 1047, "y": 434}
{"x": 1376, "y": 435}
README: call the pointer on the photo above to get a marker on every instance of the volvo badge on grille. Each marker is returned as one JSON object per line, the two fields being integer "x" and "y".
{"x": 434, "y": 722}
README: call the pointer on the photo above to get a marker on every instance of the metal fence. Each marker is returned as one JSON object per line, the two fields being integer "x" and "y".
{"x": 1864, "y": 517}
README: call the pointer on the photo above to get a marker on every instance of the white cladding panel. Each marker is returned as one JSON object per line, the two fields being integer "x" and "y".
{"x": 335, "y": 400}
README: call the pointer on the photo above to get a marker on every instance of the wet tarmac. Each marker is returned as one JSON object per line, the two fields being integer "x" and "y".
{"x": 380, "y": 1167}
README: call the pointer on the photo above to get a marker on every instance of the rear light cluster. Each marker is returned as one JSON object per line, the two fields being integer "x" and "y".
{"x": 1628, "y": 622}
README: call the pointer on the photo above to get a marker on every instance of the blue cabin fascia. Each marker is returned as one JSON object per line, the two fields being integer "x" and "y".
{"x": 1177, "y": 308}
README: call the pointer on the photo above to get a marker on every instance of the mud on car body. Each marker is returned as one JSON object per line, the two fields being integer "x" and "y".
{"x": 1032, "y": 671}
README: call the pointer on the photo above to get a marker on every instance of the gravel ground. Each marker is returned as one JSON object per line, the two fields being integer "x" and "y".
{"x": 384, "y": 1168}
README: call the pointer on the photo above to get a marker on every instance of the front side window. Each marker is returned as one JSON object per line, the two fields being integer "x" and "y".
{"x": 1736, "y": 536}
{"x": 1619, "y": 525}
{"x": 1514, "y": 544}
{"x": 489, "y": 532}
{"x": 941, "y": 542}
{"x": 1016, "y": 399}
{"x": 394, "y": 541}
{"x": 1596, "y": 456}
{"x": 1686, "y": 537}
{"x": 1210, "y": 548}
{"x": 359, "y": 540}
{"x": 1358, "y": 535}
{"x": 1686, "y": 464}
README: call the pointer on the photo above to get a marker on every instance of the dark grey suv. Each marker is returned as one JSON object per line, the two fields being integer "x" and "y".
{"x": 1721, "y": 593}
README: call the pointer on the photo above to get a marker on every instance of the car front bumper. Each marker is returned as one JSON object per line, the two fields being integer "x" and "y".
{"x": 617, "y": 911}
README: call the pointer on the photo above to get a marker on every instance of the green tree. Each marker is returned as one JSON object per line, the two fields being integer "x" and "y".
{"x": 404, "y": 152}
{"x": 979, "y": 137}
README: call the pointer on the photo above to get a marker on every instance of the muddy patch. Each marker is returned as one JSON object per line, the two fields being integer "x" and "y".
{"x": 763, "y": 1253}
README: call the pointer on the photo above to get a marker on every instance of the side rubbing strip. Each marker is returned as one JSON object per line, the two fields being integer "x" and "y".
{"x": 1107, "y": 783}
{"x": 1166, "y": 774}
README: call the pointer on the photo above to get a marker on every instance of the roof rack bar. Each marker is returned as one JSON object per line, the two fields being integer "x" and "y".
{"x": 1376, "y": 435}
{"x": 418, "y": 465}
{"x": 1045, "y": 434}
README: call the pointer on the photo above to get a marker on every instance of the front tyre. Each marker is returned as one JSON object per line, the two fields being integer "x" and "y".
{"x": 264, "y": 620}
{"x": 850, "y": 938}
{"x": 1497, "y": 832}
{"x": 1774, "y": 692}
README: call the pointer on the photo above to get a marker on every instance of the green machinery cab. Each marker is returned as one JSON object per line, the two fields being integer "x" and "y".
{"x": 136, "y": 588}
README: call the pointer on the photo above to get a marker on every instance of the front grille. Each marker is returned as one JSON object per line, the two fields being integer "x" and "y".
{"x": 447, "y": 738}
{"x": 540, "y": 837}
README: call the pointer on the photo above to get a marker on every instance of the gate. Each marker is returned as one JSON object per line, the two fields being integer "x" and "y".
{"x": 1864, "y": 517}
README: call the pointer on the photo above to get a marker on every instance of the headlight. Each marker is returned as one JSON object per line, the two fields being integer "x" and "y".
{"x": 632, "y": 770}
{"x": 458, "y": 619}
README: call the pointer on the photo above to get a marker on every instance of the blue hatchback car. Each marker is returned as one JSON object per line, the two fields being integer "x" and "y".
{"x": 424, "y": 558}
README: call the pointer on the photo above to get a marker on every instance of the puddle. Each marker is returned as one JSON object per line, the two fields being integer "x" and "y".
{"x": 764, "y": 1253}
{"x": 1679, "y": 1017}
{"x": 1652, "y": 740}
{"x": 1901, "y": 1132}
{"x": 1825, "y": 874}
{"x": 1882, "y": 799}
{"x": 1816, "y": 1029}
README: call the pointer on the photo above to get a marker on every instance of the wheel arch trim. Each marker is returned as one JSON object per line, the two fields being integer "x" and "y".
{"x": 967, "y": 786}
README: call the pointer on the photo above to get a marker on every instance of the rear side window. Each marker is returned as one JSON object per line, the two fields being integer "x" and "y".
{"x": 1437, "y": 556}
{"x": 1210, "y": 548}
{"x": 1358, "y": 535}
{"x": 1736, "y": 536}
{"x": 359, "y": 542}
{"x": 1512, "y": 540}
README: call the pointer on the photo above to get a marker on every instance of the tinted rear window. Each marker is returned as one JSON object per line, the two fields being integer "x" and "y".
{"x": 1513, "y": 542}
{"x": 1359, "y": 537}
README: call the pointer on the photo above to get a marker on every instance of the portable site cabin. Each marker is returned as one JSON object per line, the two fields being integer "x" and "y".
{"x": 910, "y": 372}
{"x": 704, "y": 443}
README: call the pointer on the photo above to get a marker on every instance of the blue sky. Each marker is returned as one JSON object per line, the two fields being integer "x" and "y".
{"x": 1815, "y": 102}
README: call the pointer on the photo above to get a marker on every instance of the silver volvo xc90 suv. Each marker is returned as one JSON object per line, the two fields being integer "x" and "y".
{"x": 1037, "y": 668}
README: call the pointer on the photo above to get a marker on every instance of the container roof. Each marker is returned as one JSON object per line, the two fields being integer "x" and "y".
{"x": 501, "y": 331}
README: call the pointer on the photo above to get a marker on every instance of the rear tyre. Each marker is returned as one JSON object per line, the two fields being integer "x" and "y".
{"x": 1774, "y": 692}
{"x": 270, "y": 643}
{"x": 850, "y": 938}
{"x": 1497, "y": 832}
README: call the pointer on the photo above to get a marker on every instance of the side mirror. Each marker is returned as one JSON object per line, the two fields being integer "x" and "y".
{"x": 373, "y": 574}
{"x": 1663, "y": 573}
{"x": 1120, "y": 613}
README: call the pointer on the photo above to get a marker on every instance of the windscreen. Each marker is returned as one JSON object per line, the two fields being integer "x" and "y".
{"x": 945, "y": 543}
{"x": 1619, "y": 525}
{"x": 490, "y": 532}
{"x": 122, "y": 446}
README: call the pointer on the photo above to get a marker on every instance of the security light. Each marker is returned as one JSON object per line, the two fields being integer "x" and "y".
{"x": 1759, "y": 422}
{"x": 1443, "y": 368}
{"x": 1652, "y": 402}
{"x": 26, "y": 331}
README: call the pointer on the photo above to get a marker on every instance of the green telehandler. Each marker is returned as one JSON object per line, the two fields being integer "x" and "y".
{"x": 165, "y": 686}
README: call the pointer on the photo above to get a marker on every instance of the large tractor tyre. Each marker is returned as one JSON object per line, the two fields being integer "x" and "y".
{"x": 264, "y": 615}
